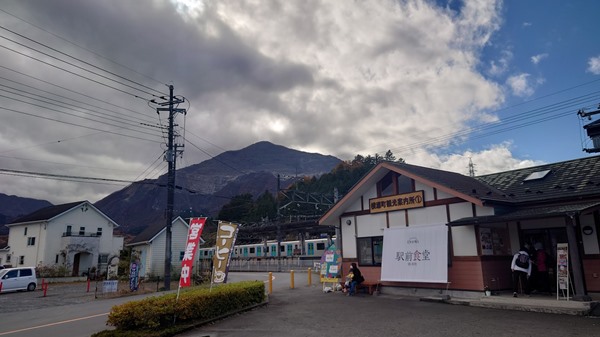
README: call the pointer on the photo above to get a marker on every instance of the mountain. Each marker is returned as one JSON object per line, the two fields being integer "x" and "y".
{"x": 205, "y": 187}
{"x": 13, "y": 207}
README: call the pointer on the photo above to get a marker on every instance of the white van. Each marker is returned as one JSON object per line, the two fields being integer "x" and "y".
{"x": 21, "y": 278}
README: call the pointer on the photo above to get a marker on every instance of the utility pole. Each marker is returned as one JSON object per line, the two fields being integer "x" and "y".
{"x": 170, "y": 156}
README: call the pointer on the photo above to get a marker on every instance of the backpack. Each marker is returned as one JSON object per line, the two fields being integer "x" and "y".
{"x": 522, "y": 261}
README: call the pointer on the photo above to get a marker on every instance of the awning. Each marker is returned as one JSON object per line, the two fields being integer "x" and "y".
{"x": 529, "y": 213}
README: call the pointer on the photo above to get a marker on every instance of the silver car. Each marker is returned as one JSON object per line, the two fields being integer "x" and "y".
{"x": 21, "y": 278}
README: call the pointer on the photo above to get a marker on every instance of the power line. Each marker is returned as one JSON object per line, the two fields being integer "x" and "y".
{"x": 61, "y": 96}
{"x": 70, "y": 114}
{"x": 73, "y": 91}
{"x": 51, "y": 101}
{"x": 78, "y": 75}
{"x": 80, "y": 60}
{"x": 79, "y": 125}
{"x": 77, "y": 45}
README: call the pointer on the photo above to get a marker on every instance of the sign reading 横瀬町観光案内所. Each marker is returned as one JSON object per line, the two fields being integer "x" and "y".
{"x": 187, "y": 262}
{"x": 415, "y": 254}
{"x": 397, "y": 202}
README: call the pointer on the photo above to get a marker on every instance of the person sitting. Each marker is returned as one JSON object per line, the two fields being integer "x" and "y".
{"x": 356, "y": 278}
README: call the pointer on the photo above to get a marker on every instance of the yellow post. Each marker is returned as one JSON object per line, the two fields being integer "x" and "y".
{"x": 291, "y": 279}
{"x": 270, "y": 283}
{"x": 310, "y": 276}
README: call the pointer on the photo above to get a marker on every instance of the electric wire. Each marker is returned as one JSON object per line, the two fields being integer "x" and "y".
{"x": 73, "y": 91}
{"x": 75, "y": 58}
{"x": 71, "y": 114}
{"x": 64, "y": 97}
{"x": 81, "y": 47}
{"x": 75, "y": 74}
{"x": 79, "y": 125}
{"x": 69, "y": 106}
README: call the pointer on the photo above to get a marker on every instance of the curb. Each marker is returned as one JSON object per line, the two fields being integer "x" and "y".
{"x": 574, "y": 311}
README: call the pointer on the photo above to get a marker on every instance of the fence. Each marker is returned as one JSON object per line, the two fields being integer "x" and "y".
{"x": 283, "y": 264}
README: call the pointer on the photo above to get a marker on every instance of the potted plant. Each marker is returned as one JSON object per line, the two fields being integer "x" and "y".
{"x": 487, "y": 291}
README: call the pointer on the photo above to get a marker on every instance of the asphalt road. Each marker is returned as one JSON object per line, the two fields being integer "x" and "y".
{"x": 303, "y": 311}
{"x": 307, "y": 311}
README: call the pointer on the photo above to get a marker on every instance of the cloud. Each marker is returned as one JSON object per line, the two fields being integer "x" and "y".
{"x": 496, "y": 158}
{"x": 527, "y": 24}
{"x": 331, "y": 77}
{"x": 520, "y": 85}
{"x": 499, "y": 67}
{"x": 539, "y": 57}
{"x": 594, "y": 65}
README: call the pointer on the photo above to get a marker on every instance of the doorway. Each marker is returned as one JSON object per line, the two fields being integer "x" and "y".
{"x": 76, "y": 260}
{"x": 548, "y": 238}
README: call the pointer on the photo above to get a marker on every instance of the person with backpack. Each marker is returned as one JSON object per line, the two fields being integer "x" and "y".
{"x": 521, "y": 269}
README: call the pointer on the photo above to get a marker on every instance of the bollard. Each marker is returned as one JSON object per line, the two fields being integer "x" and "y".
{"x": 44, "y": 287}
{"x": 309, "y": 277}
{"x": 270, "y": 283}
{"x": 88, "y": 285}
{"x": 291, "y": 279}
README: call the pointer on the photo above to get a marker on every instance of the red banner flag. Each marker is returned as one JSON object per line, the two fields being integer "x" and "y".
{"x": 196, "y": 227}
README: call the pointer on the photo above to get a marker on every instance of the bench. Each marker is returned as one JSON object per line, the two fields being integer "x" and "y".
{"x": 368, "y": 286}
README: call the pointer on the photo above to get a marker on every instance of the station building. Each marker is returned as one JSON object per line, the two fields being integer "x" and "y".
{"x": 414, "y": 228}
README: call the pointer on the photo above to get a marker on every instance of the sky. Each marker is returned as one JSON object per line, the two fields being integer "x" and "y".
{"x": 439, "y": 83}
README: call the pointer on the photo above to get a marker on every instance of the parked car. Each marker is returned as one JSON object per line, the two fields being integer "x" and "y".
{"x": 21, "y": 278}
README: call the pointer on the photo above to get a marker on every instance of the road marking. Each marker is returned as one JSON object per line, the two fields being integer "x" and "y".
{"x": 51, "y": 324}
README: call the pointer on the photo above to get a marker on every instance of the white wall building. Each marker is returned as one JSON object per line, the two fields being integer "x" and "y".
{"x": 76, "y": 235}
{"x": 149, "y": 248}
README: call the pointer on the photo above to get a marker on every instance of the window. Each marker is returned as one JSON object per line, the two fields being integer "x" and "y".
{"x": 252, "y": 251}
{"x": 69, "y": 230}
{"x": 82, "y": 231}
{"x": 282, "y": 248}
{"x": 22, "y": 259}
{"x": 181, "y": 254}
{"x": 11, "y": 274}
{"x": 99, "y": 231}
{"x": 8, "y": 259}
{"x": 25, "y": 272}
{"x": 405, "y": 185}
{"x": 103, "y": 258}
{"x": 386, "y": 185}
{"x": 56, "y": 259}
{"x": 370, "y": 251}
{"x": 25, "y": 231}
{"x": 537, "y": 175}
{"x": 31, "y": 241}
{"x": 320, "y": 245}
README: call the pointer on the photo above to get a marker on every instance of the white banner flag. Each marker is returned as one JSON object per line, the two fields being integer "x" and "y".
{"x": 415, "y": 254}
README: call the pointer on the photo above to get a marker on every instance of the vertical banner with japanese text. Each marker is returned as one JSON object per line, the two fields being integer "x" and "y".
{"x": 415, "y": 254}
{"x": 187, "y": 262}
{"x": 562, "y": 268}
{"x": 226, "y": 235}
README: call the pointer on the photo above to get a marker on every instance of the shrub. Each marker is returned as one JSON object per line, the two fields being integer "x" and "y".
{"x": 195, "y": 304}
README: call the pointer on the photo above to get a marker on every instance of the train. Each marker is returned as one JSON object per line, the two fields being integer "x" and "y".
{"x": 313, "y": 248}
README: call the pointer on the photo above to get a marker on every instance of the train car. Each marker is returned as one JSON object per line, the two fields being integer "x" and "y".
{"x": 312, "y": 248}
